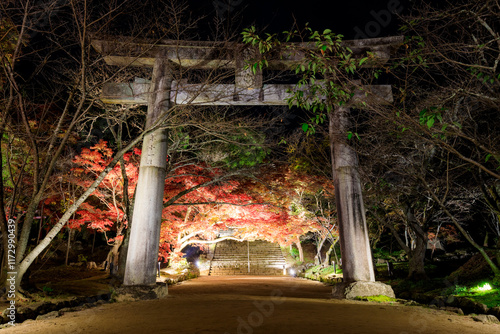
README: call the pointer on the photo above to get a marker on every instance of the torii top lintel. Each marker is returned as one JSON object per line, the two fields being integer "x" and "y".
{"x": 248, "y": 88}
{"x": 124, "y": 51}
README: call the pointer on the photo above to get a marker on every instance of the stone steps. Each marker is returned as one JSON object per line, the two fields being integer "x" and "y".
{"x": 259, "y": 264}
{"x": 233, "y": 258}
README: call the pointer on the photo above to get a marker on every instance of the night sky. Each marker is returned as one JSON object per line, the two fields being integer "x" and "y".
{"x": 352, "y": 18}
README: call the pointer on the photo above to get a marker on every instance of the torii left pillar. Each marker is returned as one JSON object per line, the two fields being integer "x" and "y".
{"x": 142, "y": 256}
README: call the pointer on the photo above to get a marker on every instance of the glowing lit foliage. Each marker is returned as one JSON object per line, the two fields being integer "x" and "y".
{"x": 284, "y": 216}
{"x": 449, "y": 234}
{"x": 105, "y": 210}
{"x": 17, "y": 170}
{"x": 300, "y": 193}
{"x": 203, "y": 209}
{"x": 8, "y": 41}
{"x": 271, "y": 208}
{"x": 211, "y": 201}
{"x": 14, "y": 154}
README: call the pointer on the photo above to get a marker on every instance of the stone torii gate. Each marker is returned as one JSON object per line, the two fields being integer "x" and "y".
{"x": 162, "y": 92}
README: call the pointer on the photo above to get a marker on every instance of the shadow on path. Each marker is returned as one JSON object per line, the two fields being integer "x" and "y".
{"x": 253, "y": 286}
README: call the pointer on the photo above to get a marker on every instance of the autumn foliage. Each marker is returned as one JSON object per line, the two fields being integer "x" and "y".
{"x": 267, "y": 207}
{"x": 105, "y": 210}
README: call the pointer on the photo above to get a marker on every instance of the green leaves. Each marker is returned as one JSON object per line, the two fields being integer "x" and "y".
{"x": 351, "y": 134}
{"x": 483, "y": 76}
{"x": 305, "y": 127}
{"x": 429, "y": 116}
{"x": 264, "y": 45}
{"x": 245, "y": 149}
{"x": 251, "y": 37}
{"x": 496, "y": 157}
{"x": 326, "y": 70}
{"x": 415, "y": 55}
{"x": 308, "y": 129}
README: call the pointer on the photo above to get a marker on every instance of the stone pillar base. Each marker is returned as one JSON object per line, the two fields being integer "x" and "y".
{"x": 361, "y": 289}
{"x": 144, "y": 292}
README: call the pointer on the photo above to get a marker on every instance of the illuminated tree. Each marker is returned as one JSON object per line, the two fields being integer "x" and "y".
{"x": 110, "y": 212}
{"x": 200, "y": 201}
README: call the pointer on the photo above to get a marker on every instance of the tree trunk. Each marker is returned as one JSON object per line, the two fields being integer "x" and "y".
{"x": 68, "y": 246}
{"x": 416, "y": 264}
{"x": 326, "y": 262}
{"x": 113, "y": 258}
{"x": 22, "y": 242}
{"x": 485, "y": 242}
{"x": 319, "y": 247}
{"x": 93, "y": 243}
{"x": 40, "y": 225}
{"x": 357, "y": 261}
{"x": 122, "y": 259}
{"x": 301, "y": 251}
{"x": 416, "y": 254}
{"x": 3, "y": 226}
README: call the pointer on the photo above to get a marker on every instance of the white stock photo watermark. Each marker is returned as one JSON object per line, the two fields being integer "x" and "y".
{"x": 12, "y": 273}
{"x": 225, "y": 7}
{"x": 382, "y": 19}
{"x": 44, "y": 11}
{"x": 264, "y": 309}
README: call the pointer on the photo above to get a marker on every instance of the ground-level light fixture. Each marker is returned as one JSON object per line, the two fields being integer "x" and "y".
{"x": 484, "y": 287}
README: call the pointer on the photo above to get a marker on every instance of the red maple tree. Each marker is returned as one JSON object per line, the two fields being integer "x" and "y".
{"x": 105, "y": 210}
{"x": 199, "y": 202}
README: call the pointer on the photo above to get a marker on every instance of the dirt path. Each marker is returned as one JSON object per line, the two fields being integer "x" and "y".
{"x": 243, "y": 304}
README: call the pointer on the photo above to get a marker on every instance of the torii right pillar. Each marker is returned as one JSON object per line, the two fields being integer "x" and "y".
{"x": 357, "y": 263}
